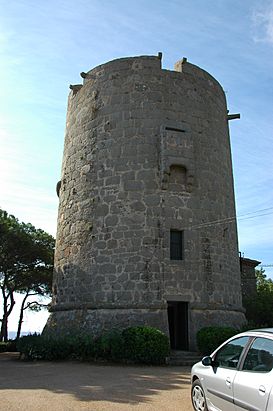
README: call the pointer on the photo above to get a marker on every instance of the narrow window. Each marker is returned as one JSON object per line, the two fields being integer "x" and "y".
{"x": 176, "y": 245}
{"x": 179, "y": 130}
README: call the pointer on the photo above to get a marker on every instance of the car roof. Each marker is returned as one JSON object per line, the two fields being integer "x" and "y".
{"x": 262, "y": 330}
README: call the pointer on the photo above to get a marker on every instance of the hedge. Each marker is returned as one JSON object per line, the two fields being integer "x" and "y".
{"x": 9, "y": 346}
{"x": 145, "y": 345}
{"x": 135, "y": 344}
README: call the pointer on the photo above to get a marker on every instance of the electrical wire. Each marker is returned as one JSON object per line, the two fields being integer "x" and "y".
{"x": 226, "y": 220}
{"x": 258, "y": 211}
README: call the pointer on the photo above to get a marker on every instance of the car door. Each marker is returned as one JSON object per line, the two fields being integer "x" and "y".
{"x": 219, "y": 378}
{"x": 253, "y": 383}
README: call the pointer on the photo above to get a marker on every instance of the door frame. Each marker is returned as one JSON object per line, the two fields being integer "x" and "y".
{"x": 178, "y": 322}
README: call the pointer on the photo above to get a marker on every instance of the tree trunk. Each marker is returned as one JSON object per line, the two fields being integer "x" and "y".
{"x": 20, "y": 322}
{"x": 3, "y": 333}
{"x": 7, "y": 309}
{"x": 4, "y": 328}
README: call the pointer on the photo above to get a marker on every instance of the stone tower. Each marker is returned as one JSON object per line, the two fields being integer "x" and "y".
{"x": 146, "y": 227}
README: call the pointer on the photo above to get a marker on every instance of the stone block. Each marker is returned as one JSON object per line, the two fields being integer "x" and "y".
{"x": 111, "y": 220}
{"x": 133, "y": 185}
{"x": 107, "y": 268}
{"x": 102, "y": 210}
{"x": 138, "y": 206}
{"x": 115, "y": 180}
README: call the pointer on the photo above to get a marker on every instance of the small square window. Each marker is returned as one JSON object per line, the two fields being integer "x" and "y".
{"x": 176, "y": 244}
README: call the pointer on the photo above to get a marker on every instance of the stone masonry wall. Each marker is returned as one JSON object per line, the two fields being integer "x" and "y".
{"x": 146, "y": 151}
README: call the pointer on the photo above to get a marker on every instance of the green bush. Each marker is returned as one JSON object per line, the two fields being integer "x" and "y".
{"x": 138, "y": 344}
{"x": 29, "y": 346}
{"x": 84, "y": 347}
{"x": 38, "y": 347}
{"x": 3, "y": 346}
{"x": 146, "y": 345}
{"x": 209, "y": 338}
{"x": 12, "y": 347}
{"x": 57, "y": 348}
{"x": 110, "y": 346}
{"x": 8, "y": 346}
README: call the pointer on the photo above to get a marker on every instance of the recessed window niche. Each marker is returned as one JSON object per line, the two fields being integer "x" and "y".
{"x": 178, "y": 178}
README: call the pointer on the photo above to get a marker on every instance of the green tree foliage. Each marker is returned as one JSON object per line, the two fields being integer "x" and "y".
{"x": 259, "y": 308}
{"x": 264, "y": 284}
{"x": 26, "y": 266}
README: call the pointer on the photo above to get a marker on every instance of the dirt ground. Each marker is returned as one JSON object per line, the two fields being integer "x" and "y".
{"x": 73, "y": 386}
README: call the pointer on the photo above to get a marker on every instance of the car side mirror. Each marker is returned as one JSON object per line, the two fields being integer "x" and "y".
{"x": 207, "y": 361}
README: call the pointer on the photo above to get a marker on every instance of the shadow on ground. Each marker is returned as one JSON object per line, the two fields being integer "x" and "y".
{"x": 91, "y": 382}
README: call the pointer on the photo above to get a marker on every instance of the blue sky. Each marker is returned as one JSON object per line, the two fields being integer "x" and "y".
{"x": 44, "y": 45}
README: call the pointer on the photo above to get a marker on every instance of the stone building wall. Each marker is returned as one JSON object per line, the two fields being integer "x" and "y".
{"x": 146, "y": 151}
{"x": 248, "y": 277}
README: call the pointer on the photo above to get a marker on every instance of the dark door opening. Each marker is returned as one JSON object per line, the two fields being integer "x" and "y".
{"x": 178, "y": 325}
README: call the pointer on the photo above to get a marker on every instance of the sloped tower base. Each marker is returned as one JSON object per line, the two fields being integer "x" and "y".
{"x": 97, "y": 322}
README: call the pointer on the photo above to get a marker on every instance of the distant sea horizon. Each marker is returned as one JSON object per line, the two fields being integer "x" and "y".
{"x": 12, "y": 334}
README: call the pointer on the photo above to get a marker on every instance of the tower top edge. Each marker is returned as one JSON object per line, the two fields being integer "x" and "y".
{"x": 149, "y": 62}
{"x": 125, "y": 62}
{"x": 183, "y": 66}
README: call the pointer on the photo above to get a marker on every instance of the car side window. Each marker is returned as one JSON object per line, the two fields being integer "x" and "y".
{"x": 228, "y": 356}
{"x": 260, "y": 356}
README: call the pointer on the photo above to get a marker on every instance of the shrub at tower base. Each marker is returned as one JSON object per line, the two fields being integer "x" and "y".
{"x": 209, "y": 338}
{"x": 142, "y": 344}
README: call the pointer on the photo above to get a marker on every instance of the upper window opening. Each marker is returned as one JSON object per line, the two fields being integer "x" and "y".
{"x": 176, "y": 244}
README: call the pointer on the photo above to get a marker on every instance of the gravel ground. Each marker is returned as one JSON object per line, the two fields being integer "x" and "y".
{"x": 72, "y": 386}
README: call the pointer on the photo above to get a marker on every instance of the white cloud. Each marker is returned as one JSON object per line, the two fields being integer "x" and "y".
{"x": 263, "y": 24}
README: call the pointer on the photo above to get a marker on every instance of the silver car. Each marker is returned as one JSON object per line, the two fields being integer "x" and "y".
{"x": 237, "y": 376}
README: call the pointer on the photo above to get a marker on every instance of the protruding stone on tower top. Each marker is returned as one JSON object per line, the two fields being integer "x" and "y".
{"x": 178, "y": 64}
{"x": 75, "y": 88}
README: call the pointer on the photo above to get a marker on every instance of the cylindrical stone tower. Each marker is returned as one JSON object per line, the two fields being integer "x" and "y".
{"x": 146, "y": 227}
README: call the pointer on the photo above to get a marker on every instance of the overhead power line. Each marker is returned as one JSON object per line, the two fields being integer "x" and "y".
{"x": 247, "y": 216}
{"x": 254, "y": 216}
{"x": 258, "y": 211}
